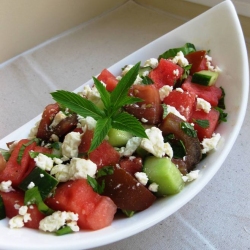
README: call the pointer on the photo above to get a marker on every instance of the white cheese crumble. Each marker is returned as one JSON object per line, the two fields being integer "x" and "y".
{"x": 203, "y": 105}
{"x": 168, "y": 149}
{"x": 87, "y": 122}
{"x": 171, "y": 109}
{"x": 44, "y": 162}
{"x": 210, "y": 66}
{"x": 209, "y": 144}
{"x": 176, "y": 72}
{"x": 5, "y": 186}
{"x": 81, "y": 168}
{"x": 142, "y": 177}
{"x": 70, "y": 144}
{"x": 31, "y": 185}
{"x": 155, "y": 142}
{"x": 19, "y": 220}
{"x": 91, "y": 93}
{"x": 180, "y": 59}
{"x": 59, "y": 219}
{"x": 164, "y": 91}
{"x": 61, "y": 172}
{"x": 153, "y": 187}
{"x": 126, "y": 69}
{"x": 58, "y": 117}
{"x": 191, "y": 176}
{"x": 33, "y": 131}
{"x": 131, "y": 145}
{"x": 144, "y": 120}
{"x": 152, "y": 62}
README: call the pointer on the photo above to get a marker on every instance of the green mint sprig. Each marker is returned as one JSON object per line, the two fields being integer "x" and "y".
{"x": 112, "y": 116}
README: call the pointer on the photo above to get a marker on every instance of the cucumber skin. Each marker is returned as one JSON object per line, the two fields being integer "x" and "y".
{"x": 205, "y": 77}
{"x": 165, "y": 173}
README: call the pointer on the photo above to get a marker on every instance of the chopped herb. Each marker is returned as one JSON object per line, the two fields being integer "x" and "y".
{"x": 64, "y": 230}
{"x": 223, "y": 115}
{"x": 146, "y": 80}
{"x": 56, "y": 145}
{"x": 34, "y": 154}
{"x": 186, "y": 49}
{"x": 179, "y": 149}
{"x": 169, "y": 137}
{"x": 165, "y": 110}
{"x": 202, "y": 123}
{"x": 186, "y": 71}
{"x": 128, "y": 213}
{"x": 105, "y": 171}
{"x": 188, "y": 129}
{"x": 112, "y": 115}
{"x": 221, "y": 103}
{"x": 2, "y": 209}
{"x": 95, "y": 185}
{"x": 5, "y": 153}
{"x": 33, "y": 196}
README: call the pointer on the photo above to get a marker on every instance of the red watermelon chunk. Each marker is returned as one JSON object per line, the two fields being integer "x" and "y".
{"x": 94, "y": 211}
{"x": 108, "y": 78}
{"x": 13, "y": 200}
{"x": 211, "y": 94}
{"x": 103, "y": 155}
{"x": 165, "y": 73}
{"x": 14, "y": 171}
{"x": 212, "y": 117}
{"x": 182, "y": 101}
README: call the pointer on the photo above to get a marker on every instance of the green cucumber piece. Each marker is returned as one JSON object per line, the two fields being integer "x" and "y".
{"x": 118, "y": 138}
{"x": 163, "y": 172}
{"x": 44, "y": 181}
{"x": 2, "y": 209}
{"x": 205, "y": 77}
{"x": 142, "y": 70}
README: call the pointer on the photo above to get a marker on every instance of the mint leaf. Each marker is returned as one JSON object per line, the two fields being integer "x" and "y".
{"x": 121, "y": 90}
{"x": 188, "y": 129}
{"x": 105, "y": 95}
{"x": 202, "y": 123}
{"x": 129, "y": 123}
{"x": 103, "y": 125}
{"x": 95, "y": 185}
{"x": 77, "y": 104}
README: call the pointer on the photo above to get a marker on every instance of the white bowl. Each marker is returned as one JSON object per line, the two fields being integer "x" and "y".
{"x": 219, "y": 30}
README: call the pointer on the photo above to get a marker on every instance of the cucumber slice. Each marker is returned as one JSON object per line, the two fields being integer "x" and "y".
{"x": 2, "y": 209}
{"x": 142, "y": 70}
{"x": 118, "y": 138}
{"x": 44, "y": 181}
{"x": 163, "y": 172}
{"x": 205, "y": 77}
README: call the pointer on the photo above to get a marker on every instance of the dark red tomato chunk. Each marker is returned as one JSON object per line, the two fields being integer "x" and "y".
{"x": 15, "y": 171}
{"x": 212, "y": 117}
{"x": 13, "y": 200}
{"x": 149, "y": 110}
{"x": 166, "y": 73}
{"x": 94, "y": 211}
{"x": 47, "y": 117}
{"x": 211, "y": 94}
{"x": 198, "y": 61}
{"x": 109, "y": 79}
{"x": 126, "y": 192}
{"x": 103, "y": 155}
{"x": 183, "y": 101}
{"x": 131, "y": 164}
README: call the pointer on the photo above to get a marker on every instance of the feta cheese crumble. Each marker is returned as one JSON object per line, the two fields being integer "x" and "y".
{"x": 141, "y": 177}
{"x": 19, "y": 220}
{"x": 203, "y": 105}
{"x": 5, "y": 186}
{"x": 44, "y": 162}
{"x": 153, "y": 187}
{"x": 164, "y": 91}
{"x": 70, "y": 144}
{"x": 171, "y": 109}
{"x": 191, "y": 176}
{"x": 58, "y": 117}
{"x": 180, "y": 59}
{"x": 152, "y": 62}
{"x": 59, "y": 219}
{"x": 131, "y": 145}
{"x": 209, "y": 144}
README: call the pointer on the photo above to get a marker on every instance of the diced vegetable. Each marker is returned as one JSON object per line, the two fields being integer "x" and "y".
{"x": 198, "y": 61}
{"x": 118, "y": 138}
{"x": 165, "y": 174}
{"x": 205, "y": 77}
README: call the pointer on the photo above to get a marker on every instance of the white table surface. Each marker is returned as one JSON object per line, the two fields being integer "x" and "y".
{"x": 219, "y": 216}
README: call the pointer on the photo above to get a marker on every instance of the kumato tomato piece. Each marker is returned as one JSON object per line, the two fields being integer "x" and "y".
{"x": 166, "y": 73}
{"x": 48, "y": 115}
{"x": 108, "y": 78}
{"x": 198, "y": 61}
{"x": 131, "y": 164}
{"x": 149, "y": 111}
{"x": 126, "y": 192}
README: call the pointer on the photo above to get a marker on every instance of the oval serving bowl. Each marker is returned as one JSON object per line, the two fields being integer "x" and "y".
{"x": 207, "y": 31}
